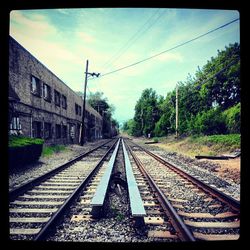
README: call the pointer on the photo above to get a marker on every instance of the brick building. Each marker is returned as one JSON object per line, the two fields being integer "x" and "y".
{"x": 42, "y": 106}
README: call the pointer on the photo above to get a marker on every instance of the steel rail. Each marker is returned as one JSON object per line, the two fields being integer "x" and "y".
{"x": 13, "y": 194}
{"x": 182, "y": 230}
{"x": 52, "y": 221}
{"x": 230, "y": 201}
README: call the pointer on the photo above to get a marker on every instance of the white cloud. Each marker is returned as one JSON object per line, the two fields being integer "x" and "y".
{"x": 37, "y": 26}
{"x": 169, "y": 57}
{"x": 85, "y": 37}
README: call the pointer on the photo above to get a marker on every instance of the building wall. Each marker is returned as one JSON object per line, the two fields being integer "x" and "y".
{"x": 37, "y": 108}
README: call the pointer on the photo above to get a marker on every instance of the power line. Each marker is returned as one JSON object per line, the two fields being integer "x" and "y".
{"x": 175, "y": 47}
{"x": 135, "y": 37}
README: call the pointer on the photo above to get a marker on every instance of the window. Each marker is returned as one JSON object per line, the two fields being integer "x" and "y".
{"x": 15, "y": 125}
{"x": 72, "y": 131}
{"x": 58, "y": 131}
{"x": 78, "y": 109}
{"x": 57, "y": 98}
{"x": 64, "y": 131}
{"x": 35, "y": 86}
{"x": 64, "y": 102}
{"x": 47, "y": 130}
{"x": 36, "y": 129}
{"x": 46, "y": 92}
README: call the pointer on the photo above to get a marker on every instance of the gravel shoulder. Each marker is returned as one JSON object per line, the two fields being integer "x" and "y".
{"x": 20, "y": 176}
{"x": 218, "y": 173}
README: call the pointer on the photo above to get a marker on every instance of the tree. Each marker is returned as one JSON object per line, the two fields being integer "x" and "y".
{"x": 146, "y": 112}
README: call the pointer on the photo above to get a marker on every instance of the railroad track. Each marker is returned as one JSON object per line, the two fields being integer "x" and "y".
{"x": 163, "y": 203}
{"x": 36, "y": 206}
{"x": 205, "y": 212}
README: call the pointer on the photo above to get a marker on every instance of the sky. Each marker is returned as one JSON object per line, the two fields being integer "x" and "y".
{"x": 113, "y": 38}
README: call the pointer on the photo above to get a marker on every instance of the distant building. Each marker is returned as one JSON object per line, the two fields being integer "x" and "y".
{"x": 42, "y": 106}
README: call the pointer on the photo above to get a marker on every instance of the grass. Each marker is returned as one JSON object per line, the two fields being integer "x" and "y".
{"x": 50, "y": 150}
{"x": 227, "y": 142}
{"x": 202, "y": 145}
{"x": 20, "y": 141}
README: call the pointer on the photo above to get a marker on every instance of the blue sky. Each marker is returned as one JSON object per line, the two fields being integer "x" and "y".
{"x": 111, "y": 38}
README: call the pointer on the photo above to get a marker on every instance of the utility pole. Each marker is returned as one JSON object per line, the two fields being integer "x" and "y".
{"x": 84, "y": 101}
{"x": 176, "y": 107}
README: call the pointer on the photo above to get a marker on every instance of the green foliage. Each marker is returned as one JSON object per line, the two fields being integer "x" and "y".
{"x": 147, "y": 113}
{"x": 208, "y": 103}
{"x": 230, "y": 140}
{"x": 162, "y": 127}
{"x": 21, "y": 141}
{"x": 101, "y": 104}
{"x": 49, "y": 150}
{"x": 232, "y": 118}
{"x": 208, "y": 122}
{"x": 155, "y": 139}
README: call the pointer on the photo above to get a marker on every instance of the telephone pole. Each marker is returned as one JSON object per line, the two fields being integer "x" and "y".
{"x": 176, "y": 107}
{"x": 84, "y": 101}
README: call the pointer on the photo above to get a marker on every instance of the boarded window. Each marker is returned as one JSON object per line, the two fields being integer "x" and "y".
{"x": 58, "y": 131}
{"x": 64, "y": 130}
{"x": 47, "y": 130}
{"x": 36, "y": 129}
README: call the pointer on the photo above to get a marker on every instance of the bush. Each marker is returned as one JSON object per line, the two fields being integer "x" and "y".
{"x": 208, "y": 122}
{"x": 24, "y": 150}
{"x": 232, "y": 118}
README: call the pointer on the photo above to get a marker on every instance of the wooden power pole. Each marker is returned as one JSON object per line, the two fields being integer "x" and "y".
{"x": 84, "y": 104}
{"x": 83, "y": 132}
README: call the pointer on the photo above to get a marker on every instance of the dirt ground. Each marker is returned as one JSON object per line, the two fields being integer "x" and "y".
{"x": 228, "y": 169}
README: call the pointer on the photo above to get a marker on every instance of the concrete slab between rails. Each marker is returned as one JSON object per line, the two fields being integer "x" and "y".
{"x": 98, "y": 199}
{"x": 136, "y": 203}
{"x": 97, "y": 211}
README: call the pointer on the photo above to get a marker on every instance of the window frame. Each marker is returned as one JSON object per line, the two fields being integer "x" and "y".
{"x": 57, "y": 98}
{"x": 47, "y": 98}
{"x": 64, "y": 103}
{"x": 78, "y": 109}
{"x": 37, "y": 91}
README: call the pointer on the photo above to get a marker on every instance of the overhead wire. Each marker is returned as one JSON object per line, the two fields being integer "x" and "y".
{"x": 175, "y": 47}
{"x": 135, "y": 37}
